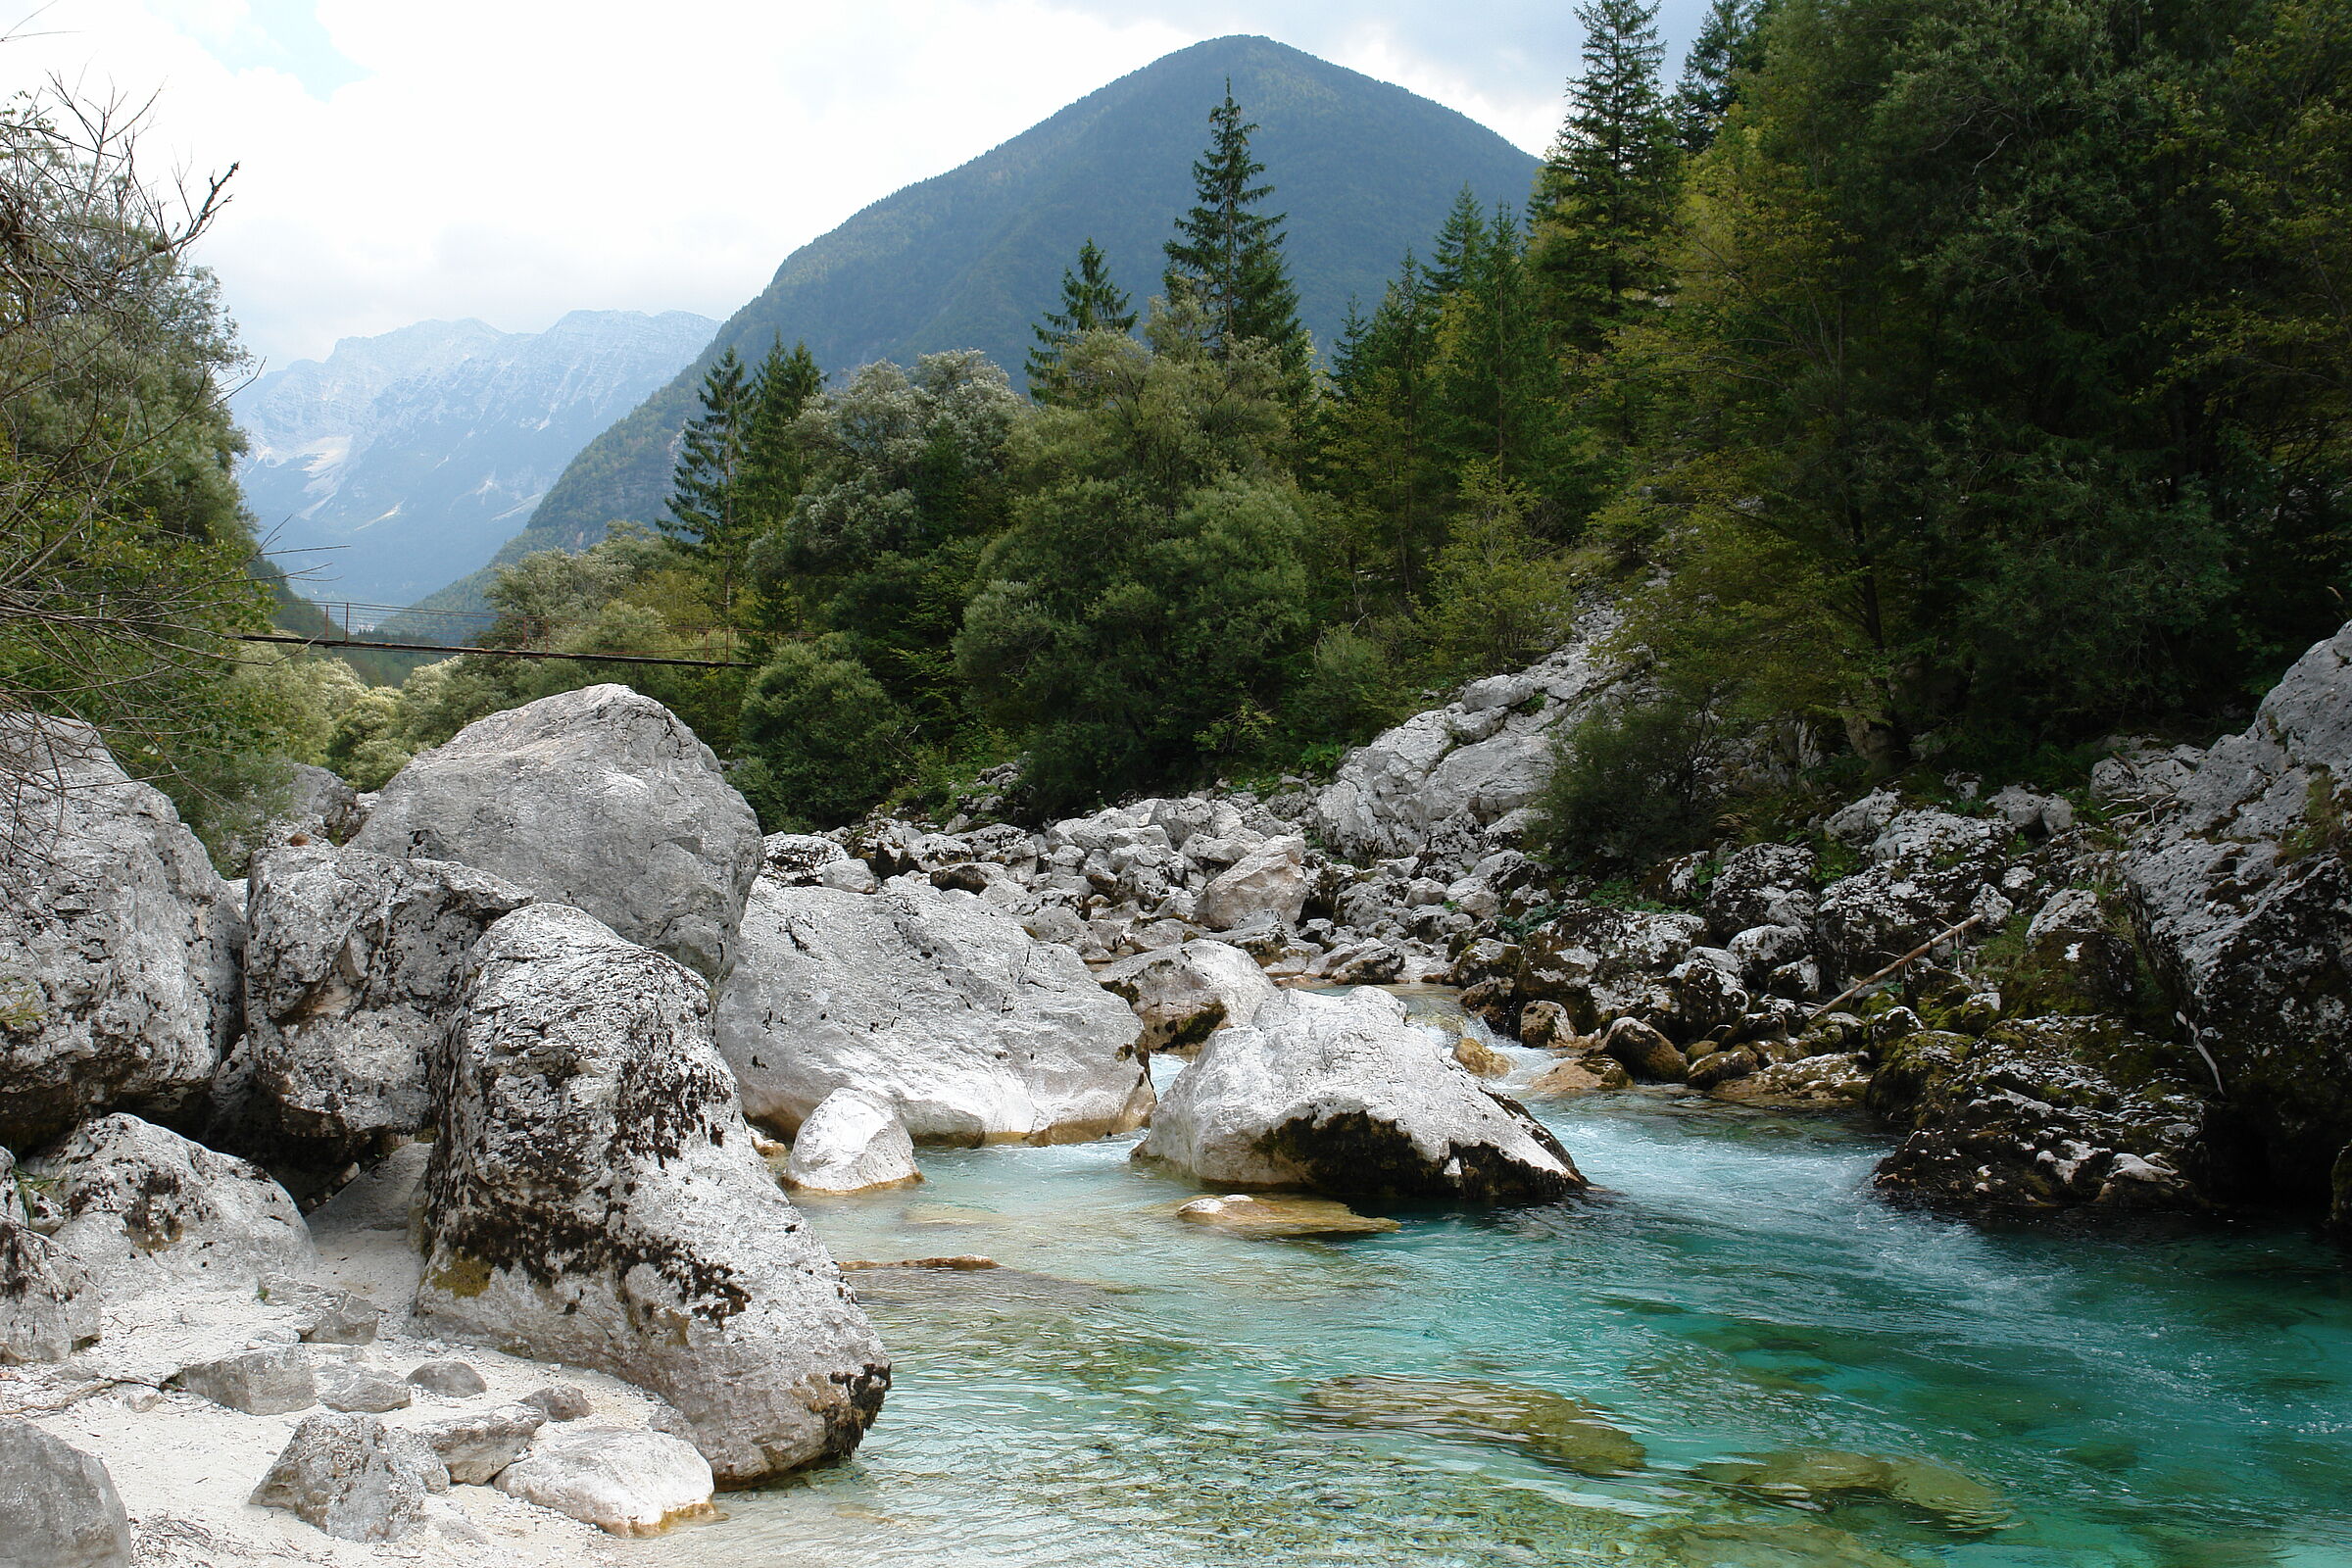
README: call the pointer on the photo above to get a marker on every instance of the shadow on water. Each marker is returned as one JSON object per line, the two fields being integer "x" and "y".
{"x": 1737, "y": 1356}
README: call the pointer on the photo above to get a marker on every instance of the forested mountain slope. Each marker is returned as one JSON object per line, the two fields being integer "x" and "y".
{"x": 969, "y": 260}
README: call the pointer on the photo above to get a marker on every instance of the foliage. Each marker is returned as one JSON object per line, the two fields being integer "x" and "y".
{"x": 1629, "y": 784}
{"x": 1134, "y": 621}
{"x": 1090, "y": 303}
{"x": 821, "y": 741}
{"x": 1226, "y": 259}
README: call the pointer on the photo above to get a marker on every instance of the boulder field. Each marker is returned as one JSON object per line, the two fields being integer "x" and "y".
{"x": 518, "y": 1029}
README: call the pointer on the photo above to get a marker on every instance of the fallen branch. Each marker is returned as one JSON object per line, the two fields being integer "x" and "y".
{"x": 1920, "y": 952}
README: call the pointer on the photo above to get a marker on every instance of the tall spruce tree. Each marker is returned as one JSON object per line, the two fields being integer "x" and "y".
{"x": 773, "y": 466}
{"x": 1090, "y": 303}
{"x": 1729, "y": 42}
{"x": 1605, "y": 195}
{"x": 1227, "y": 258}
{"x": 706, "y": 486}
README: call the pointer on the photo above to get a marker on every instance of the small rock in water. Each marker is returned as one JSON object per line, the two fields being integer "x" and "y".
{"x": 1549, "y": 1426}
{"x": 354, "y": 1387}
{"x": 962, "y": 1260}
{"x": 269, "y": 1381}
{"x": 629, "y": 1483}
{"x": 1582, "y": 1075}
{"x": 456, "y": 1379}
{"x": 560, "y": 1401}
{"x": 852, "y": 1142}
{"x": 1247, "y": 1215}
{"x": 1483, "y": 1059}
{"x": 58, "y": 1505}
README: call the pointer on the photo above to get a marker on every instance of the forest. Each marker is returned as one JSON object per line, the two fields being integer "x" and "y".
{"x": 1917, "y": 387}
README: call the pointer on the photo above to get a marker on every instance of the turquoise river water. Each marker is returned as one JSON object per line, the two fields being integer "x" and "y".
{"x": 1131, "y": 1390}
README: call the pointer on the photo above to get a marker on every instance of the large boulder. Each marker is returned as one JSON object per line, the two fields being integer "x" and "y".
{"x": 48, "y": 1307}
{"x": 353, "y": 961}
{"x": 932, "y": 1001}
{"x": 1268, "y": 883}
{"x": 1928, "y": 869}
{"x": 2242, "y": 892}
{"x": 1445, "y": 778}
{"x": 118, "y": 941}
{"x": 1185, "y": 994}
{"x": 595, "y": 1198}
{"x": 1341, "y": 1094}
{"x": 1602, "y": 964}
{"x": 2043, "y": 1112}
{"x": 601, "y": 799}
{"x": 58, "y": 1505}
{"x": 144, "y": 1210}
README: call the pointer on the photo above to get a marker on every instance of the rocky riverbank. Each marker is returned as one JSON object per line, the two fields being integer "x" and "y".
{"x": 487, "y": 1068}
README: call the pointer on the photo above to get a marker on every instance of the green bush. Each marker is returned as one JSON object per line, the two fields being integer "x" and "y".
{"x": 1630, "y": 785}
{"x": 821, "y": 741}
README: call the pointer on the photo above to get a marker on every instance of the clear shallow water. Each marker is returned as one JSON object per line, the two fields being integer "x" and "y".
{"x": 2172, "y": 1398}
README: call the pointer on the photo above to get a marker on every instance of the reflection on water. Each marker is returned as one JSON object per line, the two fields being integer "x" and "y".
{"x": 1810, "y": 1377}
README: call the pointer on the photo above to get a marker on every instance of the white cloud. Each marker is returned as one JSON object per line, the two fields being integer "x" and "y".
{"x": 514, "y": 159}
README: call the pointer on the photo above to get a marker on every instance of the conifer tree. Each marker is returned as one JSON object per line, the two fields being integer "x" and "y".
{"x": 1227, "y": 255}
{"x": 1606, "y": 193}
{"x": 705, "y": 511}
{"x": 1090, "y": 303}
{"x": 773, "y": 466}
{"x": 1728, "y": 44}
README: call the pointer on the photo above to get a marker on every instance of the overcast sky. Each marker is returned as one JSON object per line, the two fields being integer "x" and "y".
{"x": 512, "y": 160}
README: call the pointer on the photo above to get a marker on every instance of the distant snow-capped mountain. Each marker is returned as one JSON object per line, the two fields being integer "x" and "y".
{"x": 402, "y": 461}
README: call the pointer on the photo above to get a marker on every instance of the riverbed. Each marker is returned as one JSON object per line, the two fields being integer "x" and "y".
{"x": 1132, "y": 1390}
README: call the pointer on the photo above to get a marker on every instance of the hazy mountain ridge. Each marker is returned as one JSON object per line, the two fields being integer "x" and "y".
{"x": 1364, "y": 169}
{"x": 402, "y": 460}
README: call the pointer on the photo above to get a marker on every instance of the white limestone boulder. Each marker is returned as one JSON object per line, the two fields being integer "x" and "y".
{"x": 1342, "y": 1096}
{"x": 1449, "y": 777}
{"x": 850, "y": 1143}
{"x": 1184, "y": 993}
{"x": 2242, "y": 893}
{"x": 146, "y": 1211}
{"x": 58, "y": 1505}
{"x": 625, "y": 1481}
{"x": 595, "y": 1199}
{"x": 601, "y": 799}
{"x": 935, "y": 1002}
{"x": 49, "y": 1308}
{"x": 354, "y": 1477}
{"x": 353, "y": 963}
{"x": 1268, "y": 883}
{"x": 118, "y": 941}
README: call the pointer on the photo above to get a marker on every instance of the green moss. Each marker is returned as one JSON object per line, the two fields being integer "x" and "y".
{"x": 463, "y": 1276}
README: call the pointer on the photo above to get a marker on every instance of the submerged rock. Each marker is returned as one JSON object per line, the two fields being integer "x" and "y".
{"x": 1256, "y": 1216}
{"x": 625, "y": 1481}
{"x": 143, "y": 1209}
{"x": 1343, "y": 1095}
{"x": 58, "y": 1505}
{"x": 1816, "y": 1476}
{"x": 852, "y": 1142}
{"x": 595, "y": 1199}
{"x": 117, "y": 942}
{"x": 1581, "y": 1075}
{"x": 1551, "y": 1426}
{"x": 937, "y": 1002}
{"x": 599, "y": 797}
{"x": 352, "y": 966}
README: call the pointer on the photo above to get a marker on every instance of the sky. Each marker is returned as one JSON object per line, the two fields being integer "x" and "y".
{"x": 511, "y": 159}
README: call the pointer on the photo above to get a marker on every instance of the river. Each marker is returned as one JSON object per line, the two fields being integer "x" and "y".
{"x": 1132, "y": 1391}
